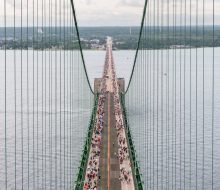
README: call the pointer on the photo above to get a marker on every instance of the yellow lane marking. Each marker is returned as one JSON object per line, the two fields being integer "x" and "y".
{"x": 109, "y": 141}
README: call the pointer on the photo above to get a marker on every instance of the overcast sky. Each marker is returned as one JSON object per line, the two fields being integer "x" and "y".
{"x": 109, "y": 12}
{"x": 104, "y": 12}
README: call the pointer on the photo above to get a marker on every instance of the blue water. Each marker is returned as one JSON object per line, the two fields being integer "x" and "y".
{"x": 162, "y": 125}
{"x": 75, "y": 135}
{"x": 53, "y": 133}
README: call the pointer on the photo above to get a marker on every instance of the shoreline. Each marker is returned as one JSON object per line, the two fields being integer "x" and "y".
{"x": 105, "y": 50}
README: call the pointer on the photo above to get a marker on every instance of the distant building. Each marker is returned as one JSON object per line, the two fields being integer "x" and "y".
{"x": 40, "y": 31}
{"x": 95, "y": 41}
{"x": 84, "y": 40}
{"x": 179, "y": 46}
{"x": 118, "y": 43}
{"x": 97, "y": 47}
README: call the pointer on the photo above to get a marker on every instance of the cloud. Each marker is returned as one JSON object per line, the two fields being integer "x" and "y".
{"x": 104, "y": 12}
{"x": 132, "y": 3}
{"x": 87, "y": 2}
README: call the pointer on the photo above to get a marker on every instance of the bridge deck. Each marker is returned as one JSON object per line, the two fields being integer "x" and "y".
{"x": 109, "y": 148}
{"x": 109, "y": 164}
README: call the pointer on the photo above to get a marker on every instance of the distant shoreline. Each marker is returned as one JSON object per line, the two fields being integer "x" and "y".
{"x": 93, "y": 38}
{"x": 104, "y": 50}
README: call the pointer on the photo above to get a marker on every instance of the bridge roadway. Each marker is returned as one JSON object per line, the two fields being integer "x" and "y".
{"x": 108, "y": 165}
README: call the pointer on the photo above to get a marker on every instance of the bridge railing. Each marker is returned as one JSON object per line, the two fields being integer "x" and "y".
{"x": 131, "y": 147}
{"x": 85, "y": 154}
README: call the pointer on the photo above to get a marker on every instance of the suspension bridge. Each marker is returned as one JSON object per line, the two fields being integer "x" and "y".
{"x": 62, "y": 129}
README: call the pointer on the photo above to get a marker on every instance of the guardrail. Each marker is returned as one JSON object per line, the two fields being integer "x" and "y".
{"x": 133, "y": 158}
{"x": 85, "y": 154}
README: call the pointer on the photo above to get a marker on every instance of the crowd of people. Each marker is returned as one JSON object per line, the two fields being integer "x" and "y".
{"x": 91, "y": 178}
{"x": 108, "y": 84}
{"x": 123, "y": 154}
{"x": 92, "y": 172}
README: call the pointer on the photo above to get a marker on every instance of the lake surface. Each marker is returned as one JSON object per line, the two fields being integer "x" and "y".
{"x": 42, "y": 119}
{"x": 49, "y": 176}
{"x": 166, "y": 117}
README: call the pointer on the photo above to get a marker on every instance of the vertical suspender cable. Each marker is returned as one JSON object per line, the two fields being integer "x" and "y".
{"x": 213, "y": 90}
{"x": 37, "y": 47}
{"x": 60, "y": 146}
{"x": 162, "y": 106}
{"x": 50, "y": 92}
{"x": 154, "y": 87}
{"x": 49, "y": 98}
{"x": 172, "y": 94}
{"x": 5, "y": 140}
{"x": 15, "y": 104}
{"x": 139, "y": 91}
{"x": 168, "y": 103}
{"x": 172, "y": 98}
{"x": 73, "y": 92}
{"x": 67, "y": 102}
{"x": 64, "y": 94}
{"x": 175, "y": 92}
{"x": 146, "y": 100}
{"x": 157, "y": 89}
{"x": 56, "y": 139}
{"x": 67, "y": 98}
{"x": 150, "y": 102}
{"x": 180, "y": 87}
{"x": 190, "y": 97}
{"x": 33, "y": 132}
{"x": 22, "y": 143}
{"x": 203, "y": 98}
{"x": 165, "y": 45}
{"x": 28, "y": 105}
{"x": 69, "y": 95}
{"x": 168, "y": 96}
{"x": 196, "y": 94}
{"x": 184, "y": 109}
{"x": 45, "y": 95}
{"x": 70, "y": 110}
{"x": 42, "y": 94}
